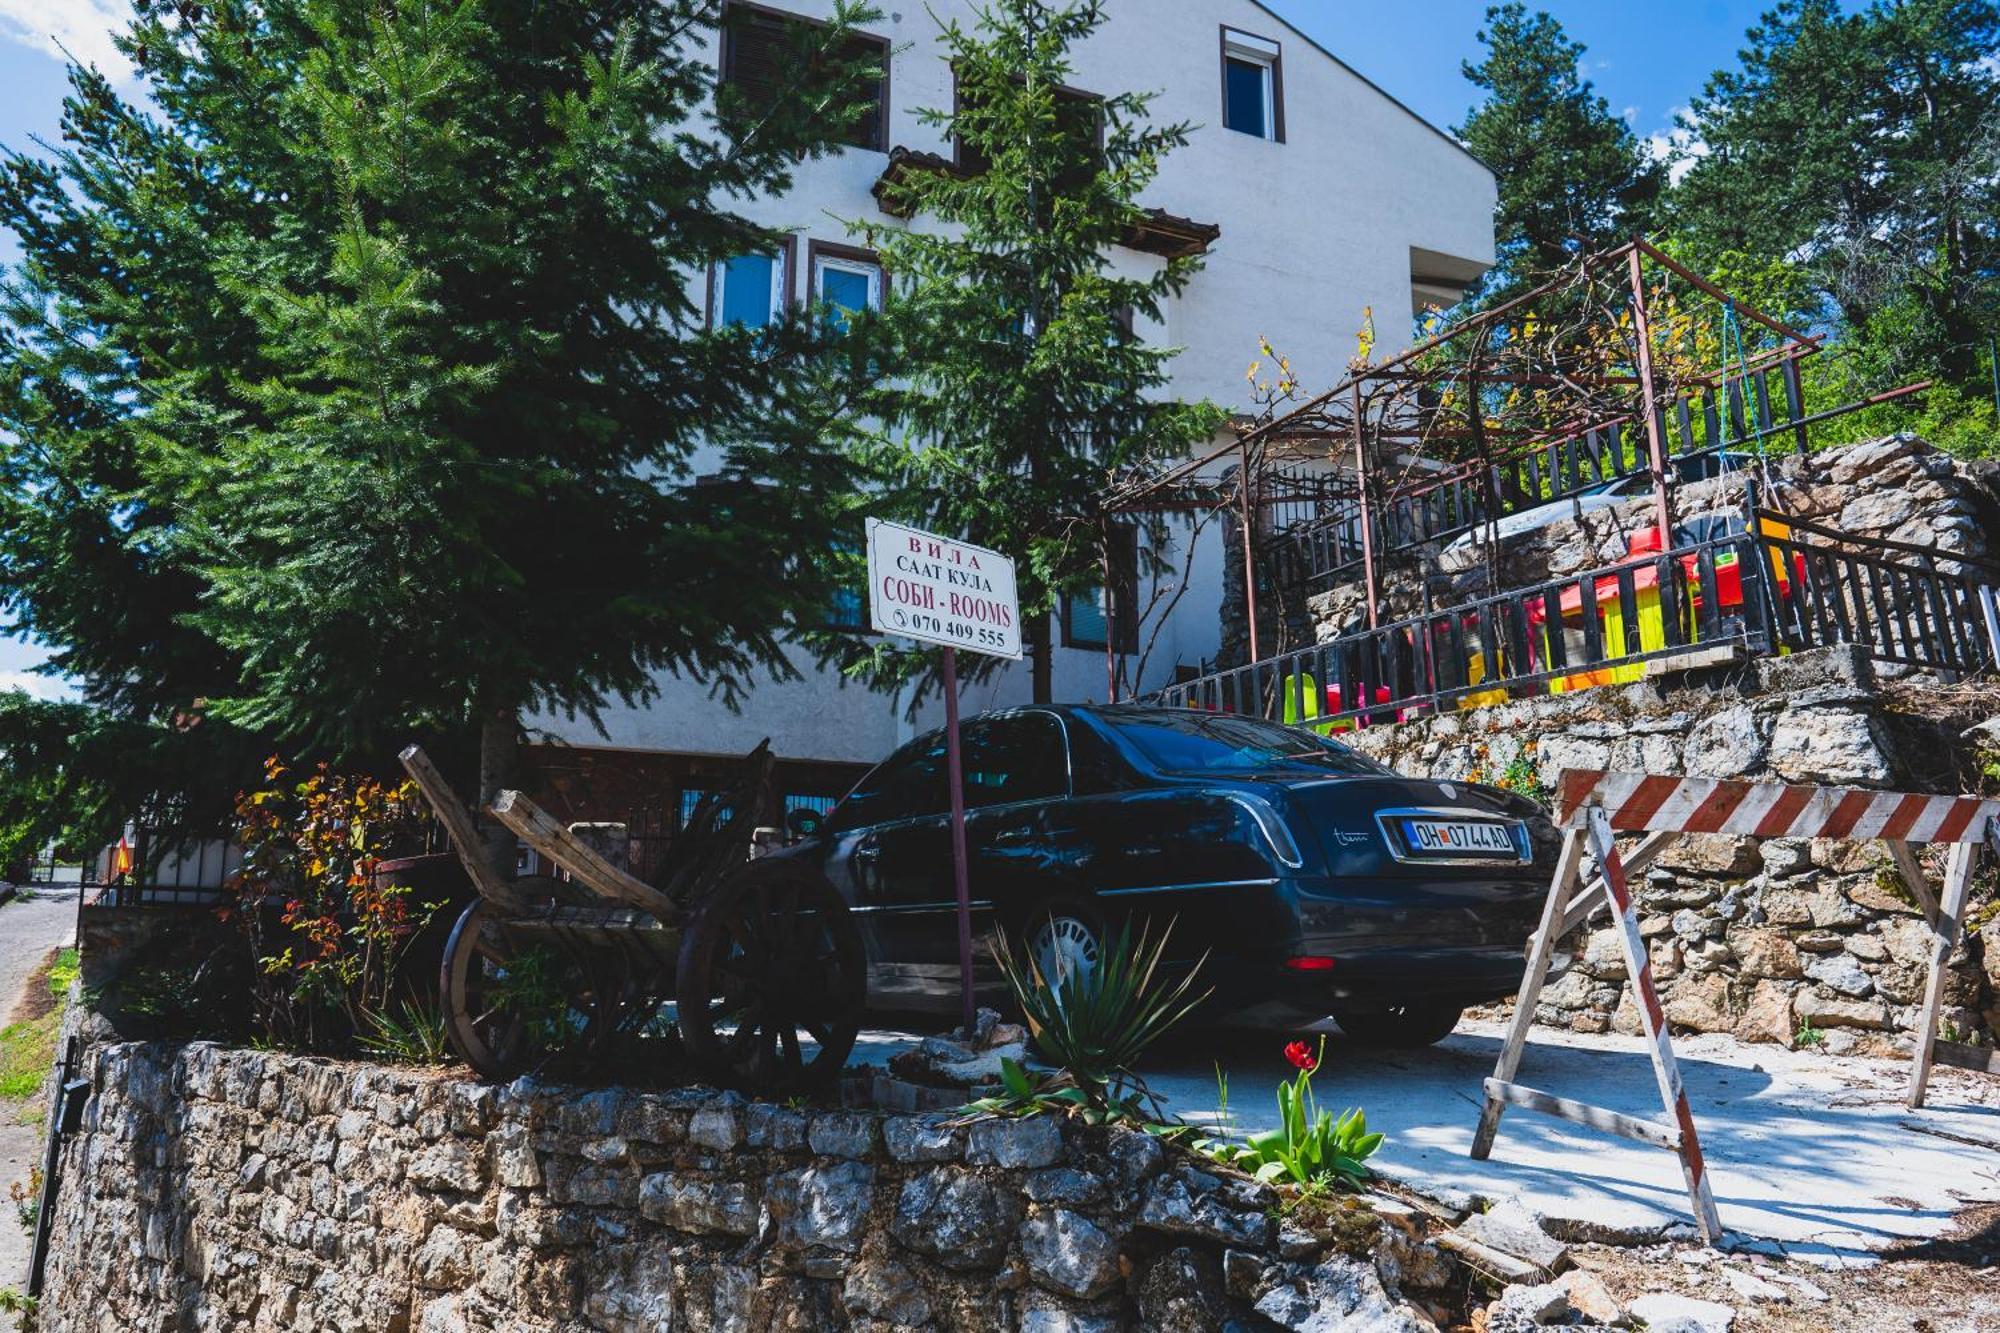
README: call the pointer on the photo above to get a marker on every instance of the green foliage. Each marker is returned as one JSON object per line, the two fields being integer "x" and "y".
{"x": 72, "y": 774}
{"x": 27, "y": 1049}
{"x": 1027, "y": 1092}
{"x": 409, "y": 1034}
{"x": 351, "y": 383}
{"x": 1095, "y": 1024}
{"x": 1843, "y": 174}
{"x": 63, "y": 972}
{"x": 1572, "y": 175}
{"x": 13, "y": 1302}
{"x": 1310, "y": 1148}
{"x": 1853, "y": 157}
{"x": 1022, "y": 388}
{"x": 533, "y": 987}
{"x": 328, "y": 961}
{"x": 1807, "y": 1035}
{"x": 1523, "y": 774}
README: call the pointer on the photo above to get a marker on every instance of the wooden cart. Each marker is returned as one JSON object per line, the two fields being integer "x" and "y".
{"x": 754, "y": 967}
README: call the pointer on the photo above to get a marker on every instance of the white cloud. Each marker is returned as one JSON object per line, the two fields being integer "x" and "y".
{"x": 1676, "y": 145}
{"x": 82, "y": 27}
{"x": 38, "y": 687}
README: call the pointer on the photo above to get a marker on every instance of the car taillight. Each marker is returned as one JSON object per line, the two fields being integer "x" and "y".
{"x": 1309, "y": 963}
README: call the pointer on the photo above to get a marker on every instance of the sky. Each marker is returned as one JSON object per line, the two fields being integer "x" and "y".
{"x": 1647, "y": 61}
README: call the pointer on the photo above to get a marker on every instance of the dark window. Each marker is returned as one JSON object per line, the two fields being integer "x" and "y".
{"x": 1083, "y": 613}
{"x": 692, "y": 799}
{"x": 1248, "y": 104}
{"x": 908, "y": 783}
{"x": 760, "y": 48}
{"x": 1182, "y": 742}
{"x": 1080, "y": 116}
{"x": 819, "y": 805}
{"x": 1252, "y": 85}
{"x": 1017, "y": 758}
{"x": 848, "y": 608}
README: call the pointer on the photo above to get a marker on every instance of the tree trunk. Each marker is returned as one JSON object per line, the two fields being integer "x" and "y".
{"x": 1041, "y": 658}
{"x": 499, "y": 769}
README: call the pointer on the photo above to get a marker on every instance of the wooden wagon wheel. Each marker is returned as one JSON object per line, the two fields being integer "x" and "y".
{"x": 511, "y": 1009}
{"x": 771, "y": 980}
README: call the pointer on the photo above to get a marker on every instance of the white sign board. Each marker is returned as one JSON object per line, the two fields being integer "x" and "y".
{"x": 940, "y": 590}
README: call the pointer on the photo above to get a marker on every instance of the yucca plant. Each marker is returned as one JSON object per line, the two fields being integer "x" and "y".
{"x": 1094, "y": 1024}
{"x": 411, "y": 1034}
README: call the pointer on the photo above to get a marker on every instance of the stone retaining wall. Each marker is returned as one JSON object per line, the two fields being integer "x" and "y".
{"x": 1775, "y": 940}
{"x": 212, "y": 1188}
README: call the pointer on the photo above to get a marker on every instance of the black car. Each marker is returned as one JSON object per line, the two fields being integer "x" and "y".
{"x": 1317, "y": 881}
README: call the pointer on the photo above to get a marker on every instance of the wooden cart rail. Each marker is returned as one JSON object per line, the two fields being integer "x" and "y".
{"x": 754, "y": 968}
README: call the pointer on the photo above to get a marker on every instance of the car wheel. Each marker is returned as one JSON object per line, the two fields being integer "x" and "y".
{"x": 1400, "y": 1027}
{"x": 1063, "y": 940}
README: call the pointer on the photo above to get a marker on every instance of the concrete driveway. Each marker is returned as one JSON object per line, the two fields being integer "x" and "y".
{"x": 1808, "y": 1153}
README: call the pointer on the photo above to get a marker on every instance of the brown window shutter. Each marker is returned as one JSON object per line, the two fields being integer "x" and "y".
{"x": 755, "y": 47}
{"x": 757, "y": 53}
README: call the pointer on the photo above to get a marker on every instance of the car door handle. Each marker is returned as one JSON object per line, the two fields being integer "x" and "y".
{"x": 1014, "y": 835}
{"x": 868, "y": 853}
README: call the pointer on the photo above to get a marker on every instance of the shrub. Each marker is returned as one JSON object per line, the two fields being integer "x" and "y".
{"x": 325, "y": 932}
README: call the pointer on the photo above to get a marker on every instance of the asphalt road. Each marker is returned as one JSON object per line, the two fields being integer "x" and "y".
{"x": 1811, "y": 1153}
{"x": 29, "y": 928}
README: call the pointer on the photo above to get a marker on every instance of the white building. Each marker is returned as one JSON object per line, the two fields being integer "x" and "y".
{"x": 1316, "y": 196}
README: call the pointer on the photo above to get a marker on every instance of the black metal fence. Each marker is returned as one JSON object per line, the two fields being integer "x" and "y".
{"x": 1906, "y": 604}
{"x": 151, "y": 868}
{"x": 1775, "y": 585}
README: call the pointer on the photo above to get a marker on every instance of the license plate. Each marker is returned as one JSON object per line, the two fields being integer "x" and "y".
{"x": 1452, "y": 837}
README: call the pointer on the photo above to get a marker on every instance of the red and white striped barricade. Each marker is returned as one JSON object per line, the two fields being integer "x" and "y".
{"x": 1592, "y": 806}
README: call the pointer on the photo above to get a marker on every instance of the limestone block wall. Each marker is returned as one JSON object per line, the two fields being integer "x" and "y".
{"x": 1782, "y": 940}
{"x": 215, "y": 1188}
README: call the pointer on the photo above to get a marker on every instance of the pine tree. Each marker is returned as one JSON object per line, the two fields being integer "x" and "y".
{"x": 1862, "y": 149}
{"x": 1572, "y": 176}
{"x": 358, "y": 386}
{"x": 1022, "y": 387}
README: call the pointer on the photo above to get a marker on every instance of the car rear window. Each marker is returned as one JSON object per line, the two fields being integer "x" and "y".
{"x": 1180, "y": 742}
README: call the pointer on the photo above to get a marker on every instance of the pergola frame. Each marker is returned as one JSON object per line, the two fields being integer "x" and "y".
{"x": 1623, "y": 342}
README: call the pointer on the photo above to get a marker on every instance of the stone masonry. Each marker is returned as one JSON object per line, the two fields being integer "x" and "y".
{"x": 212, "y": 1188}
{"x": 1775, "y": 940}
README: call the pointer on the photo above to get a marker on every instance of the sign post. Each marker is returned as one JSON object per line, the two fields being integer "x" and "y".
{"x": 937, "y": 590}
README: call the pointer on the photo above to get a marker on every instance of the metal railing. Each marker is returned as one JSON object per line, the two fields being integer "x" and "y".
{"x": 166, "y": 869}
{"x": 1780, "y": 585}
{"x": 1892, "y": 598}
{"x": 1740, "y": 412}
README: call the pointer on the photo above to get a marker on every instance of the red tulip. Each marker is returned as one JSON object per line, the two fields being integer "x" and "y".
{"x": 1301, "y": 1056}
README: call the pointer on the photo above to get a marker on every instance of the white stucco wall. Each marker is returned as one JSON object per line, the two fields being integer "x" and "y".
{"x": 1314, "y": 230}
